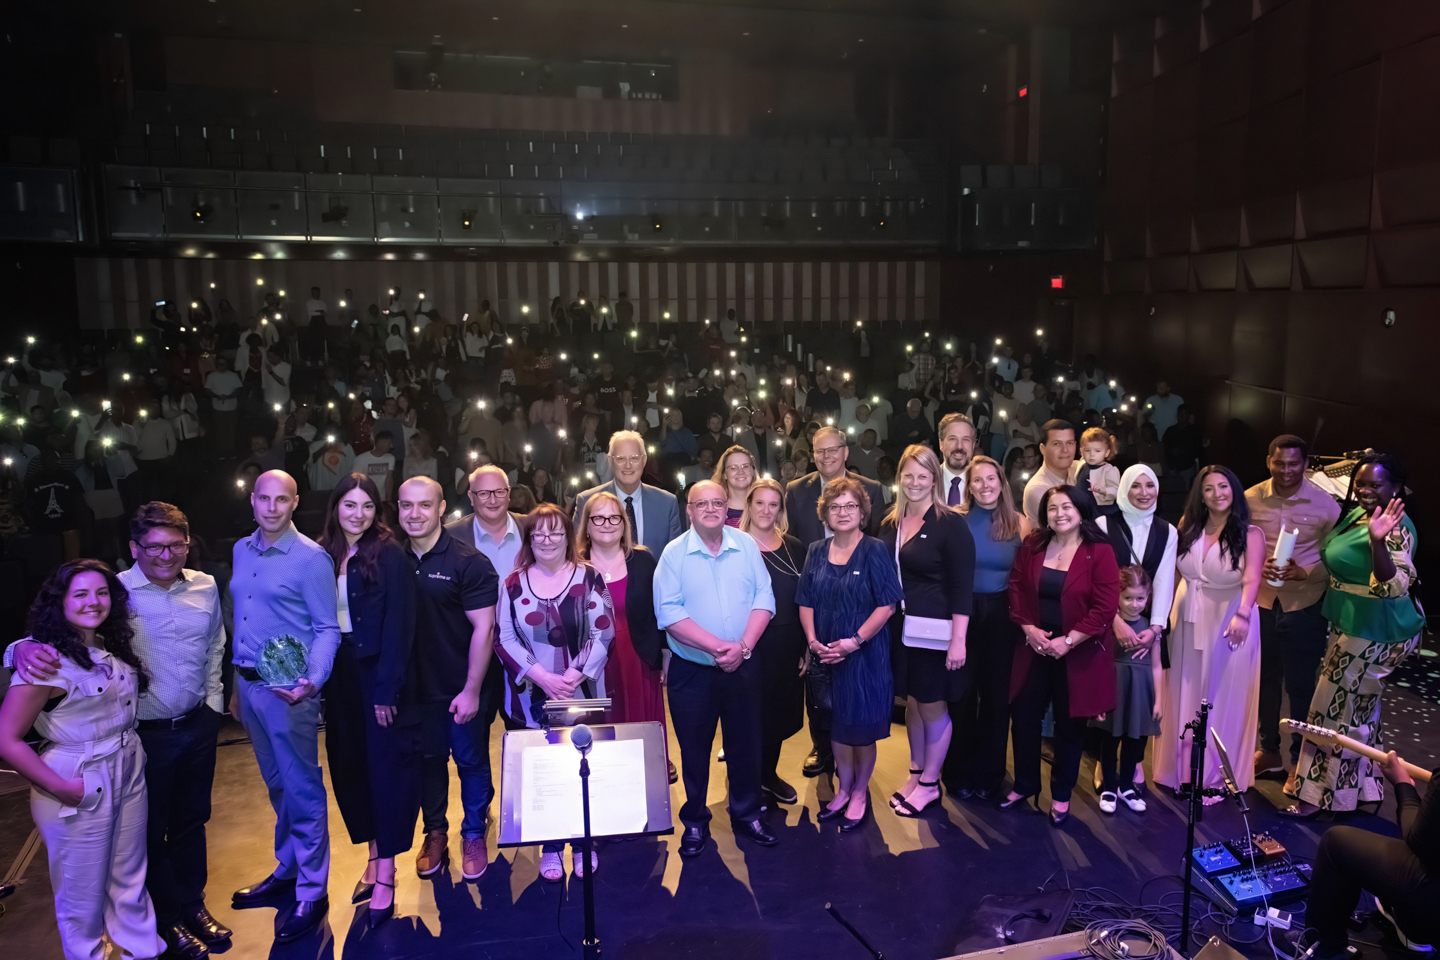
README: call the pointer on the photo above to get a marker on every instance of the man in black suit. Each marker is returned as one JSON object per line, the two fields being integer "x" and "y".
{"x": 801, "y": 499}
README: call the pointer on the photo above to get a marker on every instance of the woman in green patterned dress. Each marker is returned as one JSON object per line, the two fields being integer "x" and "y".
{"x": 1374, "y": 625}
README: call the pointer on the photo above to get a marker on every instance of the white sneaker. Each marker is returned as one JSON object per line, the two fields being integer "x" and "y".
{"x": 1107, "y": 802}
{"x": 1133, "y": 800}
{"x": 552, "y": 868}
{"x": 1409, "y": 944}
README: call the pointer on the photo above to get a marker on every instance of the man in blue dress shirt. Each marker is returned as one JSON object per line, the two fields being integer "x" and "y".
{"x": 284, "y": 583}
{"x": 713, "y": 597}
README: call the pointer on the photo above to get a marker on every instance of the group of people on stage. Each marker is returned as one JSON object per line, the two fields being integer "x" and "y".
{"x": 764, "y": 602}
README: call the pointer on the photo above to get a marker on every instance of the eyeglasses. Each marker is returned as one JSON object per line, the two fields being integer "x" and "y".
{"x": 160, "y": 549}
{"x": 739, "y": 468}
{"x": 612, "y": 520}
{"x": 709, "y": 504}
{"x": 548, "y": 537}
{"x": 502, "y": 494}
{"x": 829, "y": 451}
{"x": 629, "y": 461}
{"x": 843, "y": 507}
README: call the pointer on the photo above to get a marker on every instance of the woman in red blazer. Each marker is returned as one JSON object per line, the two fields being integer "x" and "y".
{"x": 1064, "y": 590}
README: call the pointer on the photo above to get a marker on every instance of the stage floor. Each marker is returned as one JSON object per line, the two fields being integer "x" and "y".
{"x": 911, "y": 886}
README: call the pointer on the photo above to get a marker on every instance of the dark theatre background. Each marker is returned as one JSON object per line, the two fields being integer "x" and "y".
{"x": 1230, "y": 195}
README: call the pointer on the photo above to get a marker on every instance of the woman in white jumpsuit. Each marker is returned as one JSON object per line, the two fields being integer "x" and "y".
{"x": 88, "y": 781}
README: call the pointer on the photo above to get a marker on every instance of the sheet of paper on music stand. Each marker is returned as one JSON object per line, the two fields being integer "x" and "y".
{"x": 550, "y": 786}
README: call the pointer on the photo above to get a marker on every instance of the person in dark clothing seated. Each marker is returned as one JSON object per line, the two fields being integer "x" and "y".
{"x": 1403, "y": 873}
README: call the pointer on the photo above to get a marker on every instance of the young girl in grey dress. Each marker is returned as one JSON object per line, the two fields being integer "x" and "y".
{"x": 1136, "y": 717}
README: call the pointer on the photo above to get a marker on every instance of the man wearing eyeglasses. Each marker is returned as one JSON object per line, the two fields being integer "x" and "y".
{"x": 654, "y": 513}
{"x": 180, "y": 637}
{"x": 830, "y": 450}
{"x": 713, "y": 598}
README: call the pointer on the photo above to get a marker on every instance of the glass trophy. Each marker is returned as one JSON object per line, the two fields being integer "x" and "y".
{"x": 282, "y": 661}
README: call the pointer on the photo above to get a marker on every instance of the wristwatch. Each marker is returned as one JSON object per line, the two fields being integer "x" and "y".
{"x": 744, "y": 652}
{"x": 1069, "y": 640}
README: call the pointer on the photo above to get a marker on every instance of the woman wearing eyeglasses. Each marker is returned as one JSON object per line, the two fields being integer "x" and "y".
{"x": 556, "y": 625}
{"x": 736, "y": 473}
{"x": 847, "y": 594}
{"x": 634, "y": 668}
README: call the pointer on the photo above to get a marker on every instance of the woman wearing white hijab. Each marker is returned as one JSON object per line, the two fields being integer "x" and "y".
{"x": 1138, "y": 536}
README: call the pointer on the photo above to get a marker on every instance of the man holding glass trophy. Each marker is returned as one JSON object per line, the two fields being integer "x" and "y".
{"x": 286, "y": 634}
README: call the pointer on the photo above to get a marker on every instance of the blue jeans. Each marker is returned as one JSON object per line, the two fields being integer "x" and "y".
{"x": 469, "y": 743}
{"x": 1292, "y": 644}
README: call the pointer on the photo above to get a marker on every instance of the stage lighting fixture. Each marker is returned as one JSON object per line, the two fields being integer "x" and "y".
{"x": 657, "y": 226}
{"x": 201, "y": 212}
{"x": 336, "y": 214}
{"x": 467, "y": 218}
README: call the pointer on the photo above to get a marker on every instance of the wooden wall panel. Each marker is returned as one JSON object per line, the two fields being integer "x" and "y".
{"x": 1338, "y": 141}
{"x": 1260, "y": 327}
{"x": 1336, "y": 207}
{"x": 1279, "y": 52}
{"x": 1408, "y": 133}
{"x": 1225, "y": 82}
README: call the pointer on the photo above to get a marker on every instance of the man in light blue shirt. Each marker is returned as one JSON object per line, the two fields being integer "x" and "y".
{"x": 283, "y": 583}
{"x": 713, "y": 598}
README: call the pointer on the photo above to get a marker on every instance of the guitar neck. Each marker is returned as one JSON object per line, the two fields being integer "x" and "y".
{"x": 1418, "y": 774}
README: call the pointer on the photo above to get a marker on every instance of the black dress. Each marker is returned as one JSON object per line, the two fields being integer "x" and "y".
{"x": 781, "y": 647}
{"x": 937, "y": 568}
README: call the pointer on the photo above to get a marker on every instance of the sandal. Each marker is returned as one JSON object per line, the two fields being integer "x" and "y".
{"x": 905, "y": 809}
{"x": 577, "y": 862}
{"x": 1297, "y": 811}
{"x": 897, "y": 797}
{"x": 552, "y": 868}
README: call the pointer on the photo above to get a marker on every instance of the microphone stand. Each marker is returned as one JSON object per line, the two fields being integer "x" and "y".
{"x": 592, "y": 941}
{"x": 1195, "y": 793}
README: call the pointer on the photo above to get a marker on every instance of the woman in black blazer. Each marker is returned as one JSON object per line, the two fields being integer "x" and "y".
{"x": 634, "y": 669}
{"x": 936, "y": 560}
{"x": 372, "y": 729}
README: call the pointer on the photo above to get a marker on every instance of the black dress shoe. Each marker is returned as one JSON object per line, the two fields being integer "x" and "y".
{"x": 779, "y": 791}
{"x": 827, "y": 813}
{"x": 205, "y": 926}
{"x": 300, "y": 919}
{"x": 182, "y": 943}
{"x": 755, "y": 830}
{"x": 818, "y": 763}
{"x": 983, "y": 795}
{"x": 847, "y": 825}
{"x": 692, "y": 842}
{"x": 961, "y": 793}
{"x": 271, "y": 888}
{"x": 670, "y": 769}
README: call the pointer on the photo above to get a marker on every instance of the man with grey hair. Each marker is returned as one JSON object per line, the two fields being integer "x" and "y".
{"x": 654, "y": 513}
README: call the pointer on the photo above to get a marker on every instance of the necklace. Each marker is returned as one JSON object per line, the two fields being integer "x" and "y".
{"x": 784, "y": 564}
{"x": 608, "y": 570}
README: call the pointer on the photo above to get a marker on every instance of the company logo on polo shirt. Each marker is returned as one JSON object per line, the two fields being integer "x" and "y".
{"x": 440, "y": 576}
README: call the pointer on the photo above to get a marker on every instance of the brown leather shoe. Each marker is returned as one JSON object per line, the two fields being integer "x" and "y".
{"x": 475, "y": 857}
{"x": 433, "y": 853}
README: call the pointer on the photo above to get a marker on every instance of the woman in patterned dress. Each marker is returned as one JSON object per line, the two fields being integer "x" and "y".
{"x": 1374, "y": 625}
{"x": 556, "y": 623}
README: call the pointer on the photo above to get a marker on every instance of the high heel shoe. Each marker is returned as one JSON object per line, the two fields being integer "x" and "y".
{"x": 847, "y": 825}
{"x": 905, "y": 809}
{"x": 897, "y": 796}
{"x": 827, "y": 814}
{"x": 1058, "y": 817}
{"x": 363, "y": 890}
{"x": 1005, "y": 803}
{"x": 375, "y": 917}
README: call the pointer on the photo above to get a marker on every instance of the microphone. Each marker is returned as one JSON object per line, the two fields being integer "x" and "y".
{"x": 581, "y": 737}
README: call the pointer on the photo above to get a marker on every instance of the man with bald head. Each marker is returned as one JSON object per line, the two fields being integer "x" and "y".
{"x": 283, "y": 584}
{"x": 458, "y": 690}
{"x": 713, "y": 598}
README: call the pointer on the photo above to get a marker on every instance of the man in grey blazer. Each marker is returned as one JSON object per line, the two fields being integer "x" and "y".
{"x": 654, "y": 513}
{"x": 830, "y": 451}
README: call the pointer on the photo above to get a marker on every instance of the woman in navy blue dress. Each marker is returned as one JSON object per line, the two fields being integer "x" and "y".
{"x": 847, "y": 594}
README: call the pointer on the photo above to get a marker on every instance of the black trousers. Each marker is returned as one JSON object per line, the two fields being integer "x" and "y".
{"x": 179, "y": 772}
{"x": 701, "y": 697}
{"x": 1350, "y": 860}
{"x": 1113, "y": 777}
{"x": 817, "y": 705}
{"x": 1291, "y": 647}
{"x": 1046, "y": 685}
{"x": 982, "y": 719}
{"x": 374, "y": 770}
